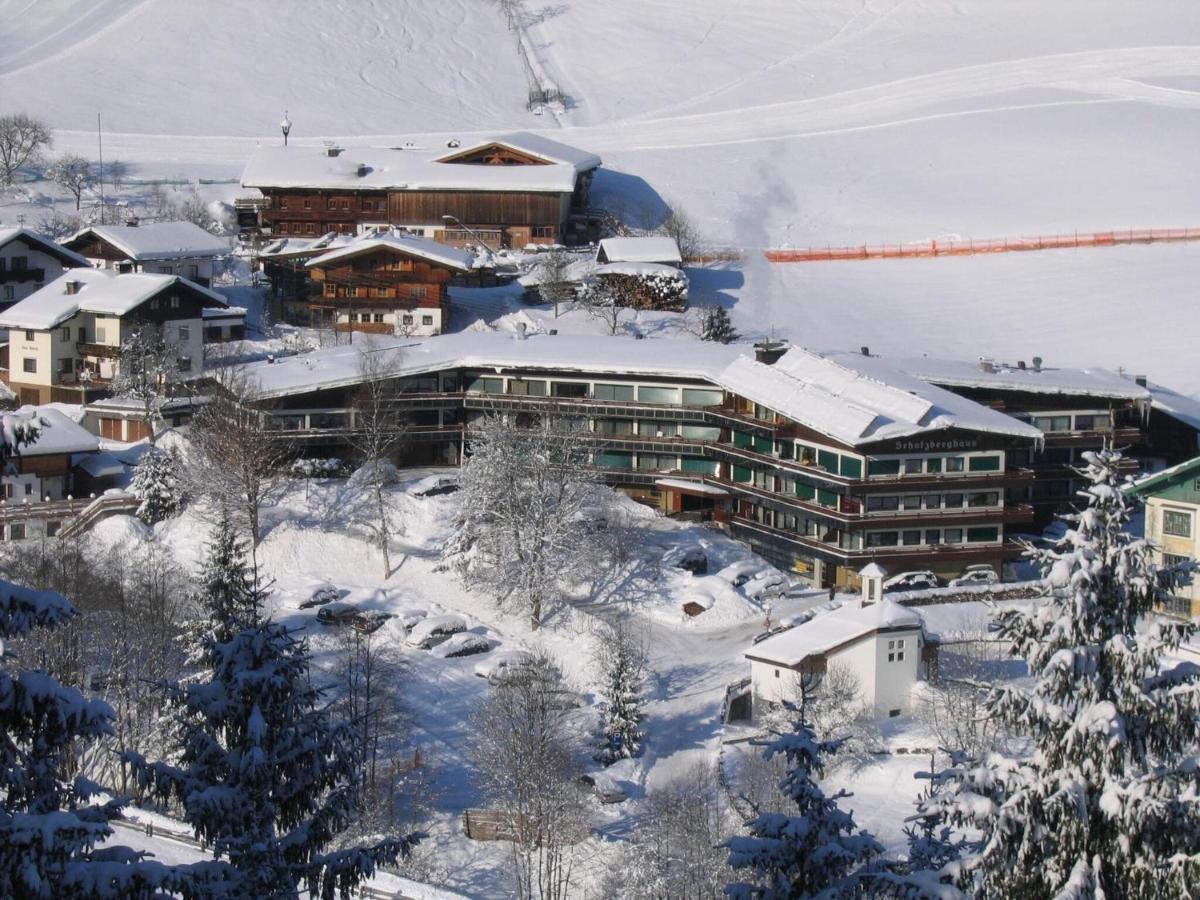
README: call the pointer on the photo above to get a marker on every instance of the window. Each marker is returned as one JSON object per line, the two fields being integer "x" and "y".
{"x": 330, "y": 289}
{"x": 986, "y": 498}
{"x": 310, "y": 228}
{"x": 658, "y": 395}
{"x": 378, "y": 318}
{"x": 883, "y": 467}
{"x": 985, "y": 464}
{"x": 909, "y": 538}
{"x": 308, "y": 204}
{"x": 361, "y": 291}
{"x": 193, "y": 272}
{"x": 52, "y": 528}
{"x": 185, "y": 364}
{"x": 185, "y": 332}
{"x": 524, "y": 388}
{"x": 368, "y": 205}
{"x": 953, "y": 501}
{"x": 876, "y": 504}
{"x": 614, "y": 426}
{"x": 28, "y": 489}
{"x": 345, "y": 204}
{"x": 883, "y": 539}
{"x": 983, "y": 535}
{"x": 66, "y": 365}
{"x": 612, "y": 391}
{"x": 332, "y": 204}
{"x": 100, "y": 334}
{"x": 417, "y": 292}
{"x": 911, "y": 502}
{"x": 10, "y": 292}
{"x": 29, "y": 365}
{"x": 29, "y": 335}
{"x": 827, "y": 460}
{"x": 486, "y": 385}
{"x": 283, "y": 202}
{"x": 1052, "y": 423}
{"x": 1175, "y": 522}
{"x": 954, "y": 463}
{"x": 407, "y": 319}
{"x": 611, "y": 460}
{"x": 1090, "y": 422}
{"x": 933, "y": 536}
{"x": 913, "y": 466}
{"x": 426, "y": 320}
{"x": 933, "y": 465}
{"x": 851, "y": 467}
{"x": 20, "y": 263}
{"x": 952, "y": 536}
{"x": 16, "y": 531}
{"x": 544, "y": 231}
{"x": 699, "y": 397}
{"x": 175, "y": 302}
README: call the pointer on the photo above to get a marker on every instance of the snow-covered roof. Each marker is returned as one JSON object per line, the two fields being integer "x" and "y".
{"x": 35, "y": 240}
{"x": 652, "y": 249}
{"x": 229, "y": 312}
{"x": 831, "y": 630}
{"x": 59, "y": 434}
{"x": 639, "y": 268}
{"x": 873, "y": 570}
{"x": 987, "y": 374}
{"x": 829, "y": 393}
{"x": 1148, "y": 482}
{"x": 535, "y": 145}
{"x": 463, "y": 260}
{"x": 99, "y": 465}
{"x": 698, "y": 487}
{"x": 415, "y": 168}
{"x": 102, "y": 291}
{"x": 1178, "y": 406}
{"x": 156, "y": 240}
{"x": 289, "y": 247}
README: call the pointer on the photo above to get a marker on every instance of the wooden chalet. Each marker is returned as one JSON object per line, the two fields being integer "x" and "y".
{"x": 164, "y": 248}
{"x": 508, "y": 191}
{"x": 385, "y": 284}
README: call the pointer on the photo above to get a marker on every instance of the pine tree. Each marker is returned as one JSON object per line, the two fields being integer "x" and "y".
{"x": 263, "y": 774}
{"x": 817, "y": 851}
{"x": 1106, "y": 803}
{"x": 156, "y": 483}
{"x": 49, "y": 829}
{"x": 623, "y": 661}
{"x": 717, "y": 326}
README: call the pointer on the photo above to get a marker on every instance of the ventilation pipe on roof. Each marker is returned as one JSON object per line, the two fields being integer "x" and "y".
{"x": 769, "y": 352}
{"x": 864, "y": 350}
{"x": 1037, "y": 364}
{"x": 1140, "y": 380}
{"x": 73, "y": 287}
{"x": 362, "y": 170}
{"x": 1021, "y": 364}
{"x": 332, "y": 150}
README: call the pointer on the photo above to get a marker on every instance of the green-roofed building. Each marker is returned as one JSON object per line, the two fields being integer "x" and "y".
{"x": 1172, "y": 512}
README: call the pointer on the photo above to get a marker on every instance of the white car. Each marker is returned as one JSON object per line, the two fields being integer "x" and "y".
{"x": 463, "y": 644}
{"x": 911, "y": 581}
{"x": 976, "y": 575}
{"x": 739, "y": 573}
{"x": 494, "y": 667}
{"x": 410, "y": 616}
{"x": 433, "y": 630}
{"x": 603, "y": 787}
{"x": 767, "y": 583}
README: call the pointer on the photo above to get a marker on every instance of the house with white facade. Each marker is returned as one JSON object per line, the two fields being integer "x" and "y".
{"x": 28, "y": 261}
{"x": 65, "y": 340}
{"x": 164, "y": 248}
{"x": 881, "y": 642}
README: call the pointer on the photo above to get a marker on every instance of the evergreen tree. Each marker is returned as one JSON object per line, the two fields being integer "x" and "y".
{"x": 1106, "y": 803}
{"x": 157, "y": 484}
{"x": 716, "y": 326}
{"x": 623, "y": 661}
{"x": 817, "y": 851}
{"x": 263, "y": 774}
{"x": 49, "y": 829}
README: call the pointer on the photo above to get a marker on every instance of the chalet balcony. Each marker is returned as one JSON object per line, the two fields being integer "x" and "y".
{"x": 99, "y": 351}
{"x": 9, "y": 276}
{"x": 492, "y": 238}
{"x": 1120, "y": 436}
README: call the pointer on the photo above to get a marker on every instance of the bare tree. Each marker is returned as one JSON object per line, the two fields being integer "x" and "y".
{"x": 526, "y": 765}
{"x": 554, "y": 285}
{"x": 522, "y": 532}
{"x": 147, "y": 372}
{"x": 237, "y": 462}
{"x": 603, "y": 304}
{"x": 676, "y": 851}
{"x": 117, "y": 171}
{"x": 56, "y": 226}
{"x": 74, "y": 174}
{"x": 195, "y": 210}
{"x": 379, "y": 434}
{"x": 22, "y": 138}
{"x": 680, "y": 226}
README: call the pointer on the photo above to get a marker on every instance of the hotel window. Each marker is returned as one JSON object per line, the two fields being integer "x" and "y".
{"x": 954, "y": 463}
{"x": 913, "y": 466}
{"x": 66, "y": 365}
{"x": 985, "y": 498}
{"x": 983, "y": 535}
{"x": 933, "y": 536}
{"x": 952, "y": 536}
{"x": 613, "y": 426}
{"x": 612, "y": 391}
{"x": 571, "y": 389}
{"x": 1175, "y": 522}
{"x": 953, "y": 501}
{"x": 658, "y": 394}
{"x": 883, "y": 539}
{"x": 521, "y": 387}
{"x": 883, "y": 467}
{"x": 1052, "y": 423}
{"x": 29, "y": 365}
{"x": 985, "y": 464}
{"x": 909, "y": 538}
{"x": 911, "y": 502}
{"x": 417, "y": 292}
{"x": 933, "y": 465}
{"x": 29, "y": 335}
{"x": 701, "y": 397}
{"x": 1090, "y": 422}
{"x": 368, "y": 205}
{"x": 878, "y": 504}
{"x": 66, "y": 334}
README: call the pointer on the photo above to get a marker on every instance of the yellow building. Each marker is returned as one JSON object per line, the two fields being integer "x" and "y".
{"x": 1172, "y": 517}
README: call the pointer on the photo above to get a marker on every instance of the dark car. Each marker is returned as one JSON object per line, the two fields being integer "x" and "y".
{"x": 337, "y": 614}
{"x": 370, "y": 621}
{"x": 693, "y": 560}
{"x": 320, "y": 597}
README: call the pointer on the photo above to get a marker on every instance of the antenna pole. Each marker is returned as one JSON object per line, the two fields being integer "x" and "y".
{"x": 100, "y": 144}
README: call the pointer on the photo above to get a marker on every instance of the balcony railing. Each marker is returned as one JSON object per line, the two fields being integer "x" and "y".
{"x": 8, "y": 276}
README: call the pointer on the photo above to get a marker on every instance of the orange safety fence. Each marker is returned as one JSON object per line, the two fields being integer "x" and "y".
{"x": 987, "y": 245}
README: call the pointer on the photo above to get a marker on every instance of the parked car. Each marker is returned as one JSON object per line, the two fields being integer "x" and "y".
{"x": 911, "y": 581}
{"x": 320, "y": 597}
{"x": 439, "y": 487}
{"x": 602, "y": 787}
{"x": 337, "y": 613}
{"x": 768, "y": 583}
{"x": 976, "y": 575}
{"x": 464, "y": 644}
{"x": 500, "y": 662}
{"x": 739, "y": 573}
{"x": 690, "y": 559}
{"x": 370, "y": 621}
{"x": 433, "y": 630}
{"x": 410, "y": 616}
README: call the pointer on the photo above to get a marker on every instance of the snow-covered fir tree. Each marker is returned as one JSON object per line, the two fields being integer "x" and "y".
{"x": 263, "y": 774}
{"x": 156, "y": 483}
{"x": 816, "y": 851}
{"x": 716, "y": 326}
{"x": 622, "y": 660}
{"x": 1105, "y": 804}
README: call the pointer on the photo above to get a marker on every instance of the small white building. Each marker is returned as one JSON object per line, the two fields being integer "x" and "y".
{"x": 650, "y": 249}
{"x": 881, "y": 643}
{"x": 162, "y": 248}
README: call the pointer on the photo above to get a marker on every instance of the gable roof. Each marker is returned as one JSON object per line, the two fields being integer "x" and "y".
{"x": 443, "y": 254}
{"x": 155, "y": 240}
{"x": 100, "y": 291}
{"x": 58, "y": 434}
{"x": 825, "y": 633}
{"x": 1148, "y": 484}
{"x": 417, "y": 168}
{"x": 68, "y": 258}
{"x": 648, "y": 249}
{"x": 1091, "y": 382}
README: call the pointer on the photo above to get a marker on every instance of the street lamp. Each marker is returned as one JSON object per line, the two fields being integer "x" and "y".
{"x": 285, "y": 126}
{"x": 473, "y": 233}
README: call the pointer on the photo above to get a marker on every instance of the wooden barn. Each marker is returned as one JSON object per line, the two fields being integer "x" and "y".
{"x": 508, "y": 191}
{"x": 386, "y": 284}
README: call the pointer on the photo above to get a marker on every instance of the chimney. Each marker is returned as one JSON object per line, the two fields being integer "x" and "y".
{"x": 74, "y": 286}
{"x": 1037, "y": 364}
{"x": 332, "y": 150}
{"x": 769, "y": 352}
{"x": 553, "y": 331}
{"x": 1021, "y": 364}
{"x": 132, "y": 222}
{"x": 864, "y": 350}
{"x": 362, "y": 169}
{"x": 1139, "y": 380}
{"x": 521, "y": 331}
